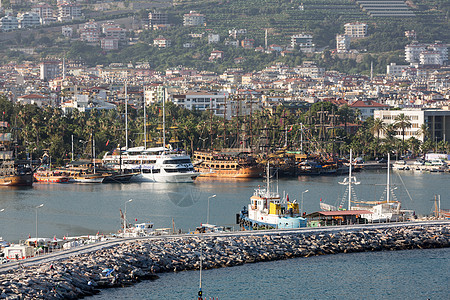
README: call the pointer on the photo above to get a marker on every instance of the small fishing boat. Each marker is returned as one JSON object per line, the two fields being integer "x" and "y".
{"x": 267, "y": 210}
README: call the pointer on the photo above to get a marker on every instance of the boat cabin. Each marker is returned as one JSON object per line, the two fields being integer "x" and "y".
{"x": 337, "y": 217}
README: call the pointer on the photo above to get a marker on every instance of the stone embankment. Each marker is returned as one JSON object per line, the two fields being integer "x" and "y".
{"x": 129, "y": 262}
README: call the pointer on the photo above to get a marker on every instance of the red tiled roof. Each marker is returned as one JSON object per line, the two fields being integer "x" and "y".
{"x": 369, "y": 103}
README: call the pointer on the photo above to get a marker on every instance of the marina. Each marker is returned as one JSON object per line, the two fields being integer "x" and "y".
{"x": 94, "y": 211}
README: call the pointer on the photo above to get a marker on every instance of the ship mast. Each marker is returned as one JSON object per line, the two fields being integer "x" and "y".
{"x": 126, "y": 115}
{"x": 145, "y": 123}
{"x": 164, "y": 120}
{"x": 388, "y": 188}
{"x": 350, "y": 182}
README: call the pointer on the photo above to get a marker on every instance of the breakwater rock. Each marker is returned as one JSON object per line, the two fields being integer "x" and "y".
{"x": 129, "y": 262}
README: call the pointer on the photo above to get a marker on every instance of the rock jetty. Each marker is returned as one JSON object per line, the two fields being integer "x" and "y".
{"x": 124, "y": 264}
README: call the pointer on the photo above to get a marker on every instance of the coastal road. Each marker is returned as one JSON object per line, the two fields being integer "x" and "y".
{"x": 64, "y": 254}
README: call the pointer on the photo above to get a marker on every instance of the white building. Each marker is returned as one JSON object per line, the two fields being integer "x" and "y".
{"x": 437, "y": 120}
{"x": 109, "y": 44}
{"x": 194, "y": 18}
{"x": 49, "y": 70}
{"x": 304, "y": 41}
{"x": 356, "y": 30}
{"x": 68, "y": 11}
{"x": 67, "y": 31}
{"x": 342, "y": 43}
{"x": 430, "y": 58}
{"x": 162, "y": 42}
{"x": 9, "y": 23}
{"x": 28, "y": 19}
{"x": 427, "y": 54}
{"x": 395, "y": 70}
{"x": 45, "y": 12}
{"x": 213, "y": 38}
{"x": 90, "y": 32}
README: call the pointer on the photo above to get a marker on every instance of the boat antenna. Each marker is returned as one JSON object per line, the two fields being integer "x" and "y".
{"x": 350, "y": 182}
{"x": 388, "y": 188}
{"x": 126, "y": 115}
{"x": 164, "y": 120}
{"x": 145, "y": 122}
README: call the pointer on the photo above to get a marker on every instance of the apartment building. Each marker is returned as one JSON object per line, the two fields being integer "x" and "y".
{"x": 194, "y": 18}
{"x": 68, "y": 11}
{"x": 90, "y": 32}
{"x": 8, "y": 23}
{"x": 356, "y": 30}
{"x": 28, "y": 19}
{"x": 304, "y": 41}
{"x": 342, "y": 43}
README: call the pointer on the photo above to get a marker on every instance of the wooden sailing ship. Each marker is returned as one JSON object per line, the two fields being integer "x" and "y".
{"x": 226, "y": 164}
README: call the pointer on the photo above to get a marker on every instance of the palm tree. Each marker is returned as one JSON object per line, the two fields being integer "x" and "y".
{"x": 402, "y": 122}
{"x": 377, "y": 128}
{"x": 423, "y": 131}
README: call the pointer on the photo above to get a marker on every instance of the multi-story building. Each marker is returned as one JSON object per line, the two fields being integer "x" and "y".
{"x": 162, "y": 42}
{"x": 395, "y": 70}
{"x": 213, "y": 38}
{"x": 304, "y": 41}
{"x": 90, "y": 32}
{"x": 68, "y": 11}
{"x": 247, "y": 43}
{"x": 45, "y": 12}
{"x": 441, "y": 48}
{"x": 430, "y": 58}
{"x": 216, "y": 54}
{"x": 437, "y": 121}
{"x": 194, "y": 18}
{"x": 67, "y": 31}
{"x": 115, "y": 32}
{"x": 412, "y": 52}
{"x": 109, "y": 44}
{"x": 367, "y": 108}
{"x": 436, "y": 53}
{"x": 28, "y": 19}
{"x": 342, "y": 43}
{"x": 158, "y": 18}
{"x": 8, "y": 23}
{"x": 356, "y": 30}
{"x": 49, "y": 70}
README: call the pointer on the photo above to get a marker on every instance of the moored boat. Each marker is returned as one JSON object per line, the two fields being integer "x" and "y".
{"x": 42, "y": 175}
{"x": 15, "y": 173}
{"x": 226, "y": 164}
{"x": 157, "y": 164}
{"x": 268, "y": 210}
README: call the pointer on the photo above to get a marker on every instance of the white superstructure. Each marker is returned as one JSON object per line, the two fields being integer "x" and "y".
{"x": 152, "y": 164}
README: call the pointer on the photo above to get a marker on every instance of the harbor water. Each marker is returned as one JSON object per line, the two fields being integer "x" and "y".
{"x": 76, "y": 209}
{"x": 87, "y": 209}
{"x": 408, "y": 274}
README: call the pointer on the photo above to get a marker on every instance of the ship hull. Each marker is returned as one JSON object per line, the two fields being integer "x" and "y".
{"x": 245, "y": 172}
{"x": 16, "y": 180}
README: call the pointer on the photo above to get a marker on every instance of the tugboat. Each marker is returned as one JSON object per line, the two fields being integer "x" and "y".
{"x": 268, "y": 210}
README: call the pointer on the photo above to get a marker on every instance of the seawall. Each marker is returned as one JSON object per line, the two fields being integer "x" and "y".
{"x": 131, "y": 261}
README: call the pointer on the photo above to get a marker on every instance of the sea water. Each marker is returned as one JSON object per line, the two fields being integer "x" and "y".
{"x": 406, "y": 274}
{"x": 88, "y": 209}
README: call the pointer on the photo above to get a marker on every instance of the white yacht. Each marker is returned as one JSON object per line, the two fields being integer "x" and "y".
{"x": 152, "y": 164}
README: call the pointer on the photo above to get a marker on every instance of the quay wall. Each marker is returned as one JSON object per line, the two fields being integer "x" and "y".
{"x": 123, "y": 264}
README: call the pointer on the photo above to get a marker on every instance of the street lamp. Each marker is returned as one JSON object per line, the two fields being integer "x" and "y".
{"x": 125, "y": 217}
{"x": 39, "y": 206}
{"x": 212, "y": 196}
{"x": 301, "y": 209}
